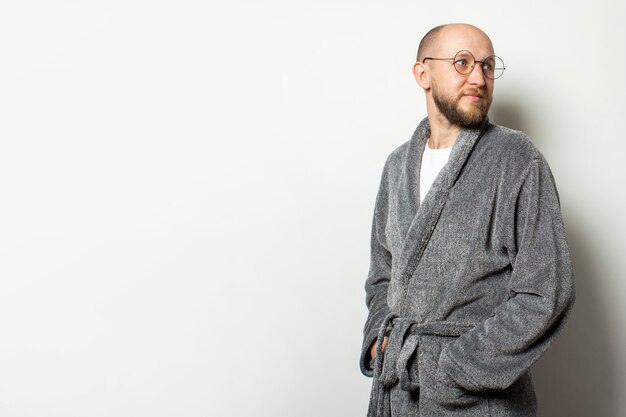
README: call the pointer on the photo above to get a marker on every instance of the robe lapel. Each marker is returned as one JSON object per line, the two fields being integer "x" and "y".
{"x": 409, "y": 193}
{"x": 426, "y": 215}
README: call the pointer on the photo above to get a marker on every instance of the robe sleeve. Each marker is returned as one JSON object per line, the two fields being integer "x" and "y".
{"x": 496, "y": 352}
{"x": 379, "y": 275}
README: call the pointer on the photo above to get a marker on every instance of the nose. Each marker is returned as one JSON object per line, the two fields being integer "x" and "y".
{"x": 477, "y": 76}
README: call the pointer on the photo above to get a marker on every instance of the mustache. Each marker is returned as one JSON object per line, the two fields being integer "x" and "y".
{"x": 475, "y": 92}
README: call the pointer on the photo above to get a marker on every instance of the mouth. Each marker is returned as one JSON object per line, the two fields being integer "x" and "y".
{"x": 473, "y": 96}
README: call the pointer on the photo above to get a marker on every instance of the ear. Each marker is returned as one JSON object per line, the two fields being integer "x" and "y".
{"x": 422, "y": 75}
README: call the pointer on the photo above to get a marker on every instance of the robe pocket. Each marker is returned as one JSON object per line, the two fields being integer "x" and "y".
{"x": 438, "y": 388}
{"x": 446, "y": 392}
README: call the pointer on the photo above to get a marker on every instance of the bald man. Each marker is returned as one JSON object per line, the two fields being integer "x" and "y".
{"x": 470, "y": 277}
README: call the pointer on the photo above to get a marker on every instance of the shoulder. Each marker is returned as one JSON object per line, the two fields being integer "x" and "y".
{"x": 509, "y": 149}
{"x": 510, "y": 143}
{"x": 410, "y": 151}
{"x": 398, "y": 156}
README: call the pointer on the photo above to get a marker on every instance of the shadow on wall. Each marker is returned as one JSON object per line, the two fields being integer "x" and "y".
{"x": 575, "y": 378}
{"x": 508, "y": 113}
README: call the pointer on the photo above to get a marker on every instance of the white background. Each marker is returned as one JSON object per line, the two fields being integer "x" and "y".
{"x": 186, "y": 191}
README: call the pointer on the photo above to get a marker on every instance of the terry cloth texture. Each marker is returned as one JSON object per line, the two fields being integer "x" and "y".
{"x": 472, "y": 285}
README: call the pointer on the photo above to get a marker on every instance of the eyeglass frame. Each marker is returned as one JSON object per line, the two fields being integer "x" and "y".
{"x": 482, "y": 63}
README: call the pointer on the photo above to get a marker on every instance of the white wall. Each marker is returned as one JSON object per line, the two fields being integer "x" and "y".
{"x": 186, "y": 192}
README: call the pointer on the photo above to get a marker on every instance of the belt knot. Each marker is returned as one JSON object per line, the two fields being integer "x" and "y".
{"x": 399, "y": 361}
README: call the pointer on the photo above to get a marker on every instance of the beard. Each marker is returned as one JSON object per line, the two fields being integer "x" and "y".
{"x": 449, "y": 107}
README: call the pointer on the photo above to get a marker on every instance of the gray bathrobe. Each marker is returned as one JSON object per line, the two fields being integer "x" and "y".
{"x": 472, "y": 285}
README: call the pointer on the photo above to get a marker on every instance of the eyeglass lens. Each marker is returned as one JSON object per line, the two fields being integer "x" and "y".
{"x": 492, "y": 66}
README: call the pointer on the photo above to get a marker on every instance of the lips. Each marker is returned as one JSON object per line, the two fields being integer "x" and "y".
{"x": 474, "y": 95}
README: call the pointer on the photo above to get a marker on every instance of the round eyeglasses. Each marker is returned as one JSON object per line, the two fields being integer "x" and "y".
{"x": 464, "y": 62}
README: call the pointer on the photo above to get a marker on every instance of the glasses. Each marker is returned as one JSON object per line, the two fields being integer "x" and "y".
{"x": 464, "y": 62}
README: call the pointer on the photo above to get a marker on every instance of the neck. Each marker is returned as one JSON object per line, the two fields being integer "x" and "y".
{"x": 442, "y": 133}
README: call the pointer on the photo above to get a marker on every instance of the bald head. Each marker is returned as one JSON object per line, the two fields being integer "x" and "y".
{"x": 437, "y": 38}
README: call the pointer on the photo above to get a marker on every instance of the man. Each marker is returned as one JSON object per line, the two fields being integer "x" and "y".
{"x": 470, "y": 278}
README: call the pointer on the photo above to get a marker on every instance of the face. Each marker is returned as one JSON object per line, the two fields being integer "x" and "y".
{"x": 464, "y": 100}
{"x": 466, "y": 108}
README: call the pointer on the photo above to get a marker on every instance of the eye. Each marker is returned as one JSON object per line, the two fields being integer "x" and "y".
{"x": 461, "y": 62}
{"x": 489, "y": 65}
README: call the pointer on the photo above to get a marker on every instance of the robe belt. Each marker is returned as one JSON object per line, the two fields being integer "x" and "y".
{"x": 393, "y": 365}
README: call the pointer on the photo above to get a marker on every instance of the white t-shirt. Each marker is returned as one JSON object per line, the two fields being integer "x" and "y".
{"x": 432, "y": 162}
